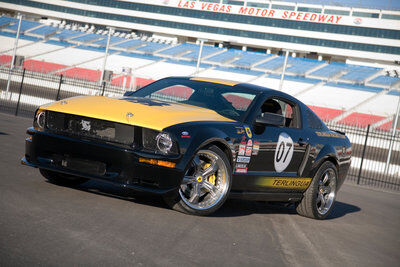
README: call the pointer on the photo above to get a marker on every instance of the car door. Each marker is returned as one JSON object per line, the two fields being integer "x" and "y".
{"x": 280, "y": 149}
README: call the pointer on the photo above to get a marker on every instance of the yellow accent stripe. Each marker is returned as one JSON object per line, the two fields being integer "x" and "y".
{"x": 157, "y": 115}
{"x": 212, "y": 80}
{"x": 283, "y": 182}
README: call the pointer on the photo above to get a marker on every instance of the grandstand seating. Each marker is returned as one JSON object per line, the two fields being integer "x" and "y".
{"x": 207, "y": 51}
{"x": 64, "y": 56}
{"x": 118, "y": 61}
{"x": 227, "y": 56}
{"x": 4, "y": 59}
{"x": 139, "y": 82}
{"x": 326, "y": 114}
{"x": 44, "y": 31}
{"x": 328, "y": 100}
{"x": 234, "y": 74}
{"x": 129, "y": 44}
{"x": 151, "y": 47}
{"x": 382, "y": 105}
{"x": 41, "y": 66}
{"x": 5, "y": 21}
{"x": 330, "y": 70}
{"x": 394, "y": 92}
{"x": 25, "y": 25}
{"x": 386, "y": 126}
{"x": 113, "y": 39}
{"x": 299, "y": 66}
{"x": 358, "y": 74}
{"x": 82, "y": 74}
{"x": 86, "y": 38}
{"x": 384, "y": 80}
{"x": 179, "y": 50}
{"x": 66, "y": 34}
{"x": 164, "y": 69}
{"x": 249, "y": 59}
{"x": 360, "y": 119}
{"x": 36, "y": 49}
{"x": 270, "y": 65}
{"x": 292, "y": 85}
{"x": 356, "y": 87}
{"x": 334, "y": 97}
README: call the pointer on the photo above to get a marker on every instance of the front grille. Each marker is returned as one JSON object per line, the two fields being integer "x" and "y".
{"x": 85, "y": 127}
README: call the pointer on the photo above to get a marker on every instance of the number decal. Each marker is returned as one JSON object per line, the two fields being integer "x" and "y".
{"x": 283, "y": 152}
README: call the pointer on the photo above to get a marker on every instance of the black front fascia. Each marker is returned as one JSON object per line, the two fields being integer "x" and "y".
{"x": 122, "y": 166}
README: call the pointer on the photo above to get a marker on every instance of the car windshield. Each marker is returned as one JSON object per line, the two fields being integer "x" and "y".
{"x": 226, "y": 100}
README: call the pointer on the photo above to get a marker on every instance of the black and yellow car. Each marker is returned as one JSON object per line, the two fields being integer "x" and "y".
{"x": 196, "y": 141}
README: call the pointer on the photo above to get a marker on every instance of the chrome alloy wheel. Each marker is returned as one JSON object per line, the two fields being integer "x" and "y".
{"x": 326, "y": 191}
{"x": 205, "y": 182}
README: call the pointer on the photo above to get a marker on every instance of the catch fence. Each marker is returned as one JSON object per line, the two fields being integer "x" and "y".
{"x": 376, "y": 153}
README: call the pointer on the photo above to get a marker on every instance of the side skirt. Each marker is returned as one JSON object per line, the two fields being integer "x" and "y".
{"x": 262, "y": 196}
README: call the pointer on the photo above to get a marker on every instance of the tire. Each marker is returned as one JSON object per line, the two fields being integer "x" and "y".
{"x": 206, "y": 184}
{"x": 62, "y": 179}
{"x": 320, "y": 196}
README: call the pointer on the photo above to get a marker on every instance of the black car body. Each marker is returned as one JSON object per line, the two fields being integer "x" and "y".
{"x": 267, "y": 144}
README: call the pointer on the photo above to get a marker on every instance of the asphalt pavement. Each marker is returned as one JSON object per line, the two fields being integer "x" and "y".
{"x": 99, "y": 224}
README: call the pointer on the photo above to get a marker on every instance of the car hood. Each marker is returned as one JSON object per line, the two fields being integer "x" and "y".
{"x": 138, "y": 111}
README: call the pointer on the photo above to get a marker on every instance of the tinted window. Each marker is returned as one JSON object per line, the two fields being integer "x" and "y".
{"x": 313, "y": 121}
{"x": 229, "y": 101}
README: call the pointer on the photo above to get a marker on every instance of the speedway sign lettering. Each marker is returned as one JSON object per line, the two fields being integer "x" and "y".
{"x": 260, "y": 12}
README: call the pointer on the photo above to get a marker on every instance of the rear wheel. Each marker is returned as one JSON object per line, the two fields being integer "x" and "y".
{"x": 206, "y": 183}
{"x": 61, "y": 178}
{"x": 318, "y": 200}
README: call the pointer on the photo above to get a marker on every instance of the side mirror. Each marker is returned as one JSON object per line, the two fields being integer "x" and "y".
{"x": 271, "y": 119}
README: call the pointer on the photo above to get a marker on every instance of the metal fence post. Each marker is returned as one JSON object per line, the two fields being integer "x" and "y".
{"x": 59, "y": 88}
{"x": 20, "y": 92}
{"x": 104, "y": 87}
{"x": 363, "y": 155}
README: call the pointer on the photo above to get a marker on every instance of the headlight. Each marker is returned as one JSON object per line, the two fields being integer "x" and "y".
{"x": 157, "y": 141}
{"x": 40, "y": 120}
{"x": 164, "y": 142}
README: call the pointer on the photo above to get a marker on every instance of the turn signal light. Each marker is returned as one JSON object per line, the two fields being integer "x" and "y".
{"x": 158, "y": 162}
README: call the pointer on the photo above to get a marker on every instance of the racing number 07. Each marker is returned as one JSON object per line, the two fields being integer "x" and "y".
{"x": 282, "y": 147}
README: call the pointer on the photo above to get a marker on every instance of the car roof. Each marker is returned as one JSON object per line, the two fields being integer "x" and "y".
{"x": 237, "y": 84}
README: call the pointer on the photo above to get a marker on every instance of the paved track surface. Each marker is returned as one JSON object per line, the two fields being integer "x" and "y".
{"x": 98, "y": 224}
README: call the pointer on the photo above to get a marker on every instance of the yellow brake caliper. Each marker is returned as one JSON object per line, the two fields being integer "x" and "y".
{"x": 211, "y": 178}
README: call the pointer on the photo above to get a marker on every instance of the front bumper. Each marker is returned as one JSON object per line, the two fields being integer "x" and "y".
{"x": 100, "y": 161}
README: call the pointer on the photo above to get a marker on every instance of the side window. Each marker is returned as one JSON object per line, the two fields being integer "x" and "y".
{"x": 283, "y": 108}
{"x": 176, "y": 93}
{"x": 313, "y": 121}
{"x": 239, "y": 101}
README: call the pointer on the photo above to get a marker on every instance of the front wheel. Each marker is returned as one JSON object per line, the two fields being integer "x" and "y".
{"x": 318, "y": 200}
{"x": 206, "y": 183}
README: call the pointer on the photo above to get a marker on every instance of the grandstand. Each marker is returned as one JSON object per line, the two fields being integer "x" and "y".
{"x": 343, "y": 81}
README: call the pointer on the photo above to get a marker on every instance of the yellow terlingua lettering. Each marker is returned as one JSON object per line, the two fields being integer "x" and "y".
{"x": 283, "y": 182}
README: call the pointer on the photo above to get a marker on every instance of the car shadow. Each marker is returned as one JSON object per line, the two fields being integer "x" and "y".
{"x": 231, "y": 208}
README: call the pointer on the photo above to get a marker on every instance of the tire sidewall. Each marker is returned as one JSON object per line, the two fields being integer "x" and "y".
{"x": 315, "y": 187}
{"x": 175, "y": 201}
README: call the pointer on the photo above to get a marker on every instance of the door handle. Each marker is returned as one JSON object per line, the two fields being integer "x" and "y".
{"x": 302, "y": 142}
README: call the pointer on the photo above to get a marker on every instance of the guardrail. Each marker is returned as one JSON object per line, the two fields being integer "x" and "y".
{"x": 371, "y": 147}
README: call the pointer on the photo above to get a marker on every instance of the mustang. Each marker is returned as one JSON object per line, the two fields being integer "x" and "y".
{"x": 196, "y": 141}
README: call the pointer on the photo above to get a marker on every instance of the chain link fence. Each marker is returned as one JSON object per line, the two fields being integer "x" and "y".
{"x": 371, "y": 147}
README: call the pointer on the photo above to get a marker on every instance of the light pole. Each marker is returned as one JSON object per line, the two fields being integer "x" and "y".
{"x": 14, "y": 52}
{"x": 199, "y": 57}
{"x": 394, "y": 128}
{"x": 283, "y": 70}
{"x": 110, "y": 31}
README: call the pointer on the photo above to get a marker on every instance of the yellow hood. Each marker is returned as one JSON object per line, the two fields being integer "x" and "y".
{"x": 147, "y": 113}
